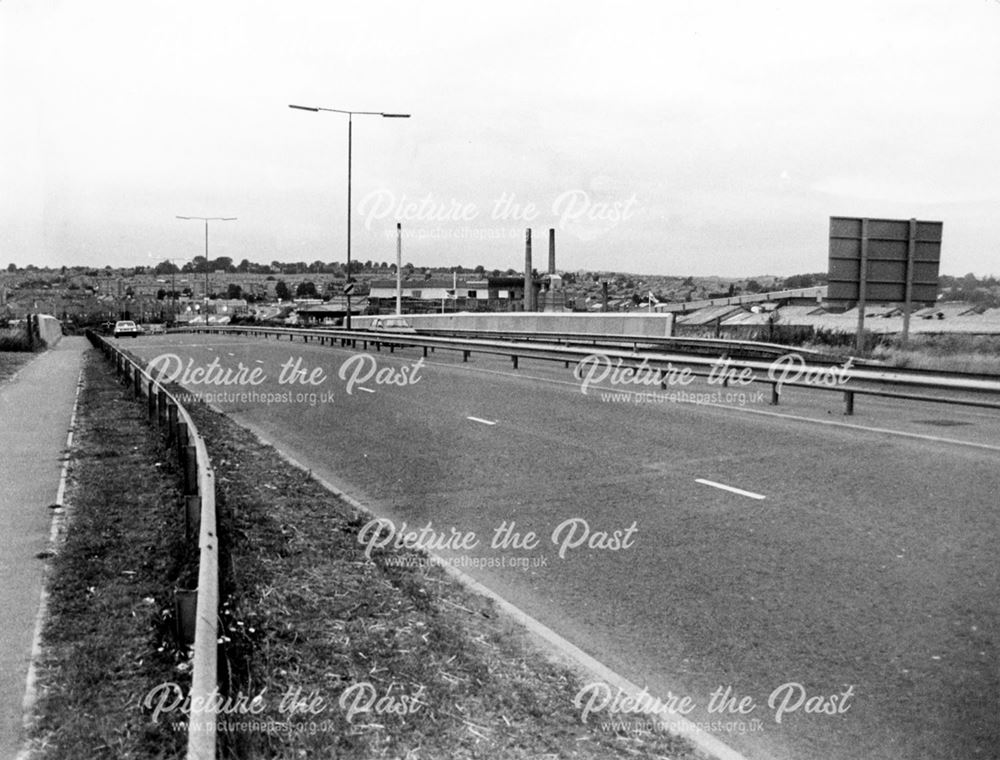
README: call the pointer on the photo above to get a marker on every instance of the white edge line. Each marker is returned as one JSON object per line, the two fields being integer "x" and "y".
{"x": 745, "y": 410}
{"x": 738, "y": 409}
{"x": 867, "y": 428}
{"x": 480, "y": 419}
{"x": 58, "y": 517}
{"x": 679, "y": 725}
{"x": 724, "y": 487}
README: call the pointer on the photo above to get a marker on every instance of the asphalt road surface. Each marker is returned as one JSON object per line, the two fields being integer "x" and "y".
{"x": 828, "y": 573}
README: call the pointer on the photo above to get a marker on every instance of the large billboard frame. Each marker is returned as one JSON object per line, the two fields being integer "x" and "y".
{"x": 889, "y": 260}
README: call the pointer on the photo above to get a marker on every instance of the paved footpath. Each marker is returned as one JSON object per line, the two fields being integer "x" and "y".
{"x": 35, "y": 411}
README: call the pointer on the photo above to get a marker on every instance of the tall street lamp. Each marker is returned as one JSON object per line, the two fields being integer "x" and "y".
{"x": 350, "y": 123}
{"x": 206, "y": 220}
{"x": 173, "y": 284}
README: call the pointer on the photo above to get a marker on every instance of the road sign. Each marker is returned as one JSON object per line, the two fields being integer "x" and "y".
{"x": 348, "y": 288}
{"x": 885, "y": 260}
{"x": 891, "y": 264}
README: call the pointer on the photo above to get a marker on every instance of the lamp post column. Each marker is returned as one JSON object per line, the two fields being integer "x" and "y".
{"x": 206, "y": 274}
{"x": 206, "y": 220}
{"x": 350, "y": 138}
{"x": 350, "y": 131}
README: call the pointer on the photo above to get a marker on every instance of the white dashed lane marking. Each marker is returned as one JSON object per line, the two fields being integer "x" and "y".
{"x": 479, "y": 419}
{"x": 724, "y": 487}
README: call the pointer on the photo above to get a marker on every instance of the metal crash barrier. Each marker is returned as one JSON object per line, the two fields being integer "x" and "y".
{"x": 198, "y": 484}
{"x": 788, "y": 370}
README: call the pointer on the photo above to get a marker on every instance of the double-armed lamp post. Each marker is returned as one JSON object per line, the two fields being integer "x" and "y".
{"x": 173, "y": 285}
{"x": 350, "y": 122}
{"x": 206, "y": 220}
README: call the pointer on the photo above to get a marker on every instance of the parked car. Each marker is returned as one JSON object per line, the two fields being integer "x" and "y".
{"x": 126, "y": 328}
{"x": 395, "y": 324}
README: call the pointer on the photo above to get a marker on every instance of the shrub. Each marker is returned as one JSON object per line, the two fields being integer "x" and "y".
{"x": 14, "y": 340}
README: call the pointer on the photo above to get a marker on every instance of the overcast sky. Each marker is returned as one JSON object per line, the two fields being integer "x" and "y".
{"x": 665, "y": 138}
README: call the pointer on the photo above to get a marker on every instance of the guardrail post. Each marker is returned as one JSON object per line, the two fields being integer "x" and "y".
{"x": 848, "y": 403}
{"x": 161, "y": 408}
{"x": 465, "y": 355}
{"x": 774, "y": 394}
{"x": 137, "y": 382}
{"x": 151, "y": 401}
{"x": 185, "y": 611}
{"x": 183, "y": 439}
{"x": 171, "y": 424}
{"x": 190, "y": 462}
{"x": 425, "y": 352}
{"x": 514, "y": 360}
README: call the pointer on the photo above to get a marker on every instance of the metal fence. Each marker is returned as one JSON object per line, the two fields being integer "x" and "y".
{"x": 776, "y": 370}
{"x": 198, "y": 485}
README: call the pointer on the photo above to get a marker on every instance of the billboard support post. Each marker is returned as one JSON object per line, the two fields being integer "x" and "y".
{"x": 911, "y": 252}
{"x": 859, "y": 340}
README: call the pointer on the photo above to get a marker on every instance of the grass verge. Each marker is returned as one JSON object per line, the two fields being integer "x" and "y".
{"x": 11, "y": 362}
{"x": 350, "y": 657}
{"x": 958, "y": 353}
{"x": 108, "y": 636}
{"x": 955, "y": 352}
